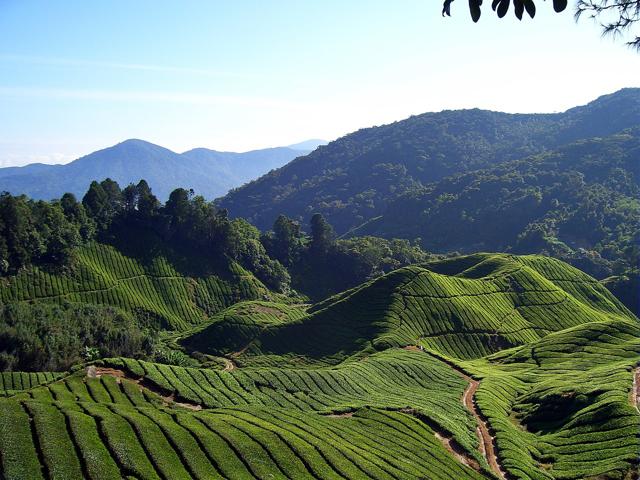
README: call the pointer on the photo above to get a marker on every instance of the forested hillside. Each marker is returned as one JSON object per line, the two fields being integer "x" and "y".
{"x": 565, "y": 184}
{"x": 580, "y": 202}
{"x": 108, "y": 275}
{"x": 353, "y": 178}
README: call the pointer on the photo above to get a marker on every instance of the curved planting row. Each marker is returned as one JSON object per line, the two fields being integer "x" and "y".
{"x": 560, "y": 406}
{"x": 393, "y": 379}
{"x": 12, "y": 382}
{"x": 482, "y": 306}
{"x": 102, "y": 275}
{"x": 63, "y": 439}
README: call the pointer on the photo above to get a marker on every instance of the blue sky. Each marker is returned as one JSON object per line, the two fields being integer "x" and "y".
{"x": 78, "y": 75}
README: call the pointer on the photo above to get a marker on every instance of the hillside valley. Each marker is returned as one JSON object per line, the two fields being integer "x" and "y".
{"x": 448, "y": 289}
{"x": 485, "y": 366}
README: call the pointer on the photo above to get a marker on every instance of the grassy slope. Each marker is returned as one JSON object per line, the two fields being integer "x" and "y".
{"x": 101, "y": 428}
{"x": 552, "y": 351}
{"x": 101, "y": 274}
{"x": 464, "y": 308}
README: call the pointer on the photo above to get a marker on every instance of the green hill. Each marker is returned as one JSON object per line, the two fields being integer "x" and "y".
{"x": 465, "y": 308}
{"x": 103, "y": 275}
{"x": 484, "y": 366}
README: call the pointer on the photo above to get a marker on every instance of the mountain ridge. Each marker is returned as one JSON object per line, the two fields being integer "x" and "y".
{"x": 351, "y": 179}
{"x": 209, "y": 172}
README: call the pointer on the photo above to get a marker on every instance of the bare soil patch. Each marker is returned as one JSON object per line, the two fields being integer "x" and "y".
{"x": 167, "y": 398}
{"x": 635, "y": 389}
{"x": 340, "y": 415}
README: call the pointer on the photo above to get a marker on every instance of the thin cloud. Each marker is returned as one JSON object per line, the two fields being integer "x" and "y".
{"x": 150, "y": 97}
{"x": 68, "y": 62}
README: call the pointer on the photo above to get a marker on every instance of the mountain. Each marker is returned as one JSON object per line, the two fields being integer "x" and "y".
{"x": 207, "y": 172}
{"x": 355, "y": 178}
{"x": 309, "y": 145}
{"x": 580, "y": 196}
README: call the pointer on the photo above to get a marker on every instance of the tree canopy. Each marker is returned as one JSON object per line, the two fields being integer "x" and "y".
{"x": 615, "y": 16}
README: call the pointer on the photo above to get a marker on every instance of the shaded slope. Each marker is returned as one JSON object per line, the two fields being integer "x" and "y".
{"x": 232, "y": 331}
{"x": 352, "y": 179}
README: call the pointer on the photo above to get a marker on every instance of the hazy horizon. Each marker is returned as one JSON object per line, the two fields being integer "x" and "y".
{"x": 244, "y": 77}
{"x": 55, "y": 161}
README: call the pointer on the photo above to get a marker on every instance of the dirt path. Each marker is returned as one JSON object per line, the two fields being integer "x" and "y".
{"x": 486, "y": 440}
{"x": 119, "y": 375}
{"x": 229, "y": 364}
{"x": 635, "y": 389}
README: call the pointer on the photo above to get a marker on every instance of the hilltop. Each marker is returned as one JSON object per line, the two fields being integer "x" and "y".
{"x": 467, "y": 307}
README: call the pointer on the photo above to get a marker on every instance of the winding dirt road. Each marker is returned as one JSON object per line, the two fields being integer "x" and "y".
{"x": 487, "y": 441}
{"x": 635, "y": 389}
{"x": 487, "y": 447}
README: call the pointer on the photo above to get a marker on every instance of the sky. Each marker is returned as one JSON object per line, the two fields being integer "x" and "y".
{"x": 78, "y": 75}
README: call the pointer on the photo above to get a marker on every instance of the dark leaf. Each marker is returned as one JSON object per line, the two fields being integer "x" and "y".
{"x": 559, "y": 5}
{"x": 518, "y": 6}
{"x": 446, "y": 8}
{"x": 531, "y": 7}
{"x": 474, "y": 9}
{"x": 503, "y": 8}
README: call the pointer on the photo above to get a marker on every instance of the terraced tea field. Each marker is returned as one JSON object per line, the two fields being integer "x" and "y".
{"x": 488, "y": 366}
{"x": 102, "y": 275}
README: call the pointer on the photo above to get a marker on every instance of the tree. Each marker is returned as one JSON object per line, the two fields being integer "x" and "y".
{"x": 114, "y": 195}
{"x": 287, "y": 240}
{"x": 76, "y": 214}
{"x": 147, "y": 203}
{"x": 615, "y": 16}
{"x": 322, "y": 235}
{"x": 96, "y": 203}
{"x": 21, "y": 239}
{"x": 618, "y": 16}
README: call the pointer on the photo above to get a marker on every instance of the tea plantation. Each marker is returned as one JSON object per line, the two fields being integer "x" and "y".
{"x": 102, "y": 275}
{"x": 485, "y": 366}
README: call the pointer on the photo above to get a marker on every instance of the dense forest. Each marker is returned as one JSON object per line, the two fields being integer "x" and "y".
{"x": 580, "y": 203}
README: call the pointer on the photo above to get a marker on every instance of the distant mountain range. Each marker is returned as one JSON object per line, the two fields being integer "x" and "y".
{"x": 208, "y": 172}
